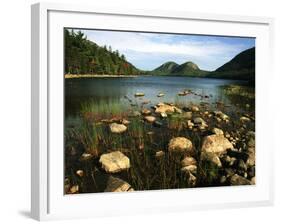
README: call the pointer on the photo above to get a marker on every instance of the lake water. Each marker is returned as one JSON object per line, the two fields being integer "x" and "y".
{"x": 80, "y": 91}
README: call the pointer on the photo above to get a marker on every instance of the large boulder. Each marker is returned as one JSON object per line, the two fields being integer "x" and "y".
{"x": 181, "y": 144}
{"x": 117, "y": 185}
{"x": 114, "y": 162}
{"x": 117, "y": 128}
{"x": 216, "y": 144}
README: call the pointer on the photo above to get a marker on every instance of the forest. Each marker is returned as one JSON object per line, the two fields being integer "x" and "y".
{"x": 83, "y": 56}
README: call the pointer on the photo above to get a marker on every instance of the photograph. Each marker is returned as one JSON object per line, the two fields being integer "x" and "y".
{"x": 157, "y": 111}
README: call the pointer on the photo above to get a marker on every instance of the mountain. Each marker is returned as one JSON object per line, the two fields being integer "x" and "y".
{"x": 172, "y": 68}
{"x": 165, "y": 68}
{"x": 83, "y": 56}
{"x": 242, "y": 66}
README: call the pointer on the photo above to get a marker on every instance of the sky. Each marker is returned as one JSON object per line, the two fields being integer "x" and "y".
{"x": 149, "y": 50}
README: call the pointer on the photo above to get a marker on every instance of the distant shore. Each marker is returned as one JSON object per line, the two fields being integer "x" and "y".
{"x": 73, "y": 76}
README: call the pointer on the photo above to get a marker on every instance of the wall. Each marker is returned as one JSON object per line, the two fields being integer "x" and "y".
{"x": 15, "y": 109}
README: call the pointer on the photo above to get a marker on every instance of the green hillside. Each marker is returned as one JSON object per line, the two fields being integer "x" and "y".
{"x": 242, "y": 66}
{"x": 83, "y": 56}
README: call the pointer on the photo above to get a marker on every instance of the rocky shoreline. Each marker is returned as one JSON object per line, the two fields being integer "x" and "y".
{"x": 164, "y": 146}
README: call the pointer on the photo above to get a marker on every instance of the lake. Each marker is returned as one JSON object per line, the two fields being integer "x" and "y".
{"x": 96, "y": 90}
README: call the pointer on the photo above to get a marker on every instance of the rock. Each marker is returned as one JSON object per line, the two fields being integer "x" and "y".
{"x": 165, "y": 108}
{"x": 191, "y": 180}
{"x": 74, "y": 189}
{"x": 252, "y": 157}
{"x": 253, "y": 180}
{"x": 117, "y": 128}
{"x": 114, "y": 162}
{"x": 217, "y": 131}
{"x": 252, "y": 171}
{"x": 187, "y": 115}
{"x": 195, "y": 109}
{"x": 145, "y": 111}
{"x": 139, "y": 94}
{"x": 80, "y": 173}
{"x": 229, "y": 172}
{"x": 221, "y": 115}
{"x": 86, "y": 156}
{"x": 150, "y": 119}
{"x": 187, "y": 161}
{"x": 223, "y": 179}
{"x": 242, "y": 165}
{"x": 177, "y": 110}
{"x": 244, "y": 119}
{"x": 213, "y": 158}
{"x": 198, "y": 120}
{"x": 251, "y": 143}
{"x": 180, "y": 144}
{"x": 238, "y": 180}
{"x": 163, "y": 114}
{"x": 125, "y": 122}
{"x": 159, "y": 154}
{"x": 190, "y": 124}
{"x": 115, "y": 184}
{"x": 191, "y": 168}
{"x": 160, "y": 95}
{"x": 216, "y": 144}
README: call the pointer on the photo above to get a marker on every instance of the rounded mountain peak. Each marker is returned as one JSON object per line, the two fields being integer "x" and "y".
{"x": 190, "y": 64}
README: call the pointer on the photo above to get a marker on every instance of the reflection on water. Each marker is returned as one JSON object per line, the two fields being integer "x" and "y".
{"x": 81, "y": 91}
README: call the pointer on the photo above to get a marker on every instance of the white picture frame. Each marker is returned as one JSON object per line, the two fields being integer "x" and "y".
{"x": 48, "y": 201}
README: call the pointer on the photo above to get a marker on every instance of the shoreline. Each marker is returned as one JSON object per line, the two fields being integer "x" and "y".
{"x": 72, "y": 76}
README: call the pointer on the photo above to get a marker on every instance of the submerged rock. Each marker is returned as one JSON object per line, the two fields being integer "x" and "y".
{"x": 221, "y": 115}
{"x": 139, "y": 94}
{"x": 114, "y": 162}
{"x": 239, "y": 180}
{"x": 115, "y": 184}
{"x": 187, "y": 115}
{"x": 163, "y": 114}
{"x": 150, "y": 119}
{"x": 117, "y": 128}
{"x": 160, "y": 95}
{"x": 181, "y": 144}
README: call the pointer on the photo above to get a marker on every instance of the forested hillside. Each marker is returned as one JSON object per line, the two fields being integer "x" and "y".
{"x": 83, "y": 56}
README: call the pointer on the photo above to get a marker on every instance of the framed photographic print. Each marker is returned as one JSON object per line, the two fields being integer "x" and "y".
{"x": 147, "y": 111}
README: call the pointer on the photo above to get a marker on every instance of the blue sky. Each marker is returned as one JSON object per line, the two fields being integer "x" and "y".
{"x": 149, "y": 50}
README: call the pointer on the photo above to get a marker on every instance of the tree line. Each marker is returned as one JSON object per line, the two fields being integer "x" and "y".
{"x": 83, "y": 56}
